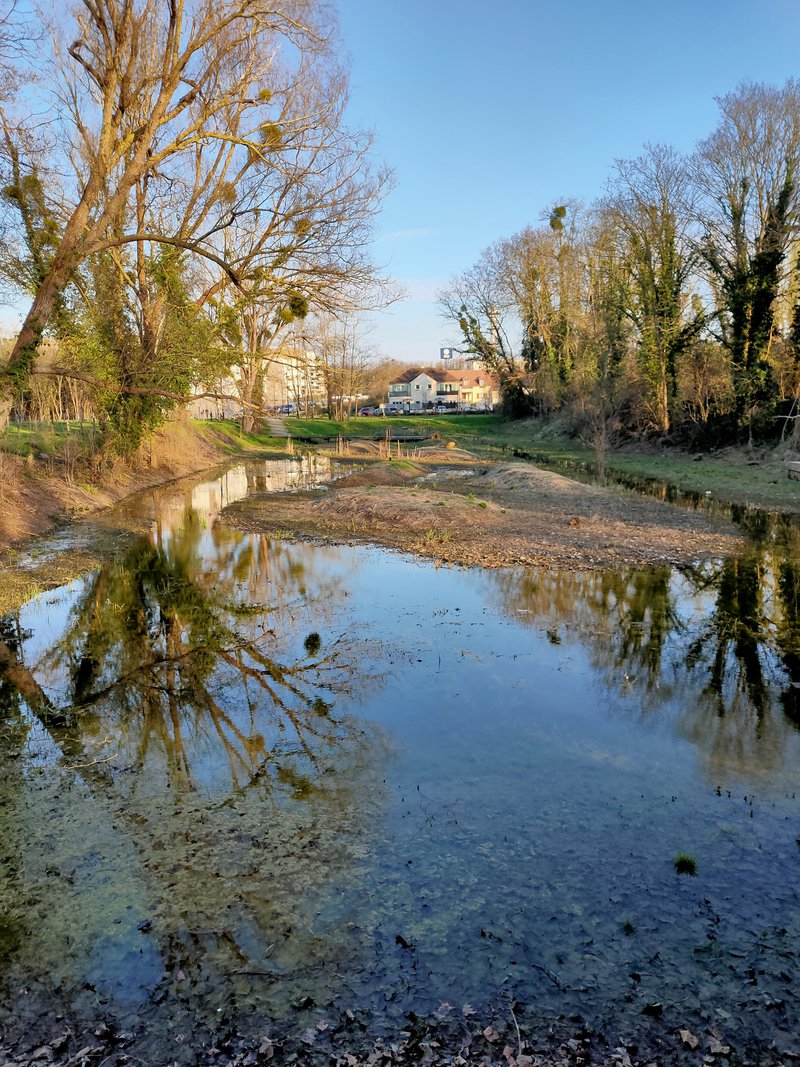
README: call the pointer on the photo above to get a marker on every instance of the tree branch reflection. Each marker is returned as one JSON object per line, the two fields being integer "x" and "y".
{"x": 716, "y": 645}
{"x": 215, "y": 705}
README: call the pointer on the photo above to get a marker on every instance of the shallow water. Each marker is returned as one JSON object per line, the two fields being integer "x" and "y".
{"x": 259, "y": 783}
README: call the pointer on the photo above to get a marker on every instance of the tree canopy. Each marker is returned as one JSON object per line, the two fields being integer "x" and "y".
{"x": 670, "y": 305}
{"x": 180, "y": 183}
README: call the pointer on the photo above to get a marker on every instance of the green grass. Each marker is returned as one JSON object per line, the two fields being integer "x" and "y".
{"x": 227, "y": 435}
{"x": 684, "y": 864}
{"x": 730, "y": 476}
{"x": 45, "y": 438}
{"x": 460, "y": 428}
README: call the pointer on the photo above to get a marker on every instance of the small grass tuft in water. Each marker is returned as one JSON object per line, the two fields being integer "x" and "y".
{"x": 313, "y": 643}
{"x": 685, "y": 864}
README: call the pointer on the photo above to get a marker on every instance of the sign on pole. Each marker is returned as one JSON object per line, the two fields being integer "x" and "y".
{"x": 445, "y": 353}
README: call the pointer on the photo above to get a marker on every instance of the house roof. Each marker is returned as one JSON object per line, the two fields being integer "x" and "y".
{"x": 407, "y": 376}
{"x": 464, "y": 377}
{"x": 475, "y": 377}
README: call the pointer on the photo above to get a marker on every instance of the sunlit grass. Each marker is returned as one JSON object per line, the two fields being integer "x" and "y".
{"x": 462, "y": 428}
{"x": 23, "y": 439}
{"x": 227, "y": 435}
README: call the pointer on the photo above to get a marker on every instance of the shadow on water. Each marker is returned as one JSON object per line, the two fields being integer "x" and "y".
{"x": 216, "y": 813}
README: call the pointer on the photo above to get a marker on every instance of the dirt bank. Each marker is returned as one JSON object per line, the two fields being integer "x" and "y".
{"x": 38, "y": 498}
{"x": 493, "y": 516}
{"x": 38, "y": 494}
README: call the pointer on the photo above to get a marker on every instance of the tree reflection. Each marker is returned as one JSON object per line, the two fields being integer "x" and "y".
{"x": 788, "y": 635}
{"x": 718, "y": 644}
{"x": 160, "y": 653}
{"x": 194, "y": 693}
{"x": 624, "y": 617}
{"x": 732, "y": 646}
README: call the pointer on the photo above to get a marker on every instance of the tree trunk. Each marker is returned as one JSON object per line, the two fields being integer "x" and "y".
{"x": 23, "y": 355}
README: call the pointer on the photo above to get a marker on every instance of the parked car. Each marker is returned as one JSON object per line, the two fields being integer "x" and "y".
{"x": 365, "y": 411}
{"x": 392, "y": 410}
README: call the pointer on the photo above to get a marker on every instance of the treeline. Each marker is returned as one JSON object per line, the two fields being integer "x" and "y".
{"x": 671, "y": 306}
{"x": 182, "y": 200}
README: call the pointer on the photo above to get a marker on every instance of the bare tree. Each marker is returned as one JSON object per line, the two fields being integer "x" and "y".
{"x": 143, "y": 84}
{"x": 303, "y": 250}
{"x": 345, "y": 358}
{"x": 746, "y": 174}
{"x": 649, "y": 203}
{"x": 483, "y": 308}
{"x": 544, "y": 271}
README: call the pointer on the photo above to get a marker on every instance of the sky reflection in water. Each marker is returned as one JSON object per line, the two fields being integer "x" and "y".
{"x": 257, "y": 772}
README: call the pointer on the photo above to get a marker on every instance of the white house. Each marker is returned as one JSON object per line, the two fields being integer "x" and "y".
{"x": 420, "y": 390}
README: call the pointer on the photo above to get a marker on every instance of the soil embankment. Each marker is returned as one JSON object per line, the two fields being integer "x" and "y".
{"x": 38, "y": 497}
{"x": 38, "y": 494}
{"x": 502, "y": 515}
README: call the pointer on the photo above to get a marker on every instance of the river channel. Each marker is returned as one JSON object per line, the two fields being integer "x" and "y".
{"x": 279, "y": 788}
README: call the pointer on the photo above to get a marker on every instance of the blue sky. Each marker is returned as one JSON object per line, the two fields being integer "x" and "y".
{"x": 489, "y": 113}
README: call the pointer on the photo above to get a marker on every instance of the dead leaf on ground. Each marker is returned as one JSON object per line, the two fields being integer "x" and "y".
{"x": 688, "y": 1038}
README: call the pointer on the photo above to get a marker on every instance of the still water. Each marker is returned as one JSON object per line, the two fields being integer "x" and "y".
{"x": 253, "y": 783}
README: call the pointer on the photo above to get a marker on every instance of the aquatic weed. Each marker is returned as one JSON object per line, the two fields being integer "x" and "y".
{"x": 685, "y": 864}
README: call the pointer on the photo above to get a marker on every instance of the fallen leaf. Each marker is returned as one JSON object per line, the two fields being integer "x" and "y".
{"x": 265, "y": 1049}
{"x": 688, "y": 1038}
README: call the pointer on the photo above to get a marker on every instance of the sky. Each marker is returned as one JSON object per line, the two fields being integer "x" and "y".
{"x": 489, "y": 113}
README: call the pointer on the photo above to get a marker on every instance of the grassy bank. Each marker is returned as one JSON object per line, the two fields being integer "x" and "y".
{"x": 42, "y": 484}
{"x": 733, "y": 475}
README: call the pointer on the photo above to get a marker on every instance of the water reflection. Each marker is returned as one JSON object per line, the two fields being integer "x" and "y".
{"x": 717, "y": 646}
{"x": 208, "y": 497}
{"x": 187, "y": 714}
{"x": 212, "y": 806}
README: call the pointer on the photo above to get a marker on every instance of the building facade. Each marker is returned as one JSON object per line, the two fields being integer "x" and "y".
{"x": 419, "y": 389}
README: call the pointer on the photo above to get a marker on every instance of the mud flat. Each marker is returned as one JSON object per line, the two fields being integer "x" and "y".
{"x": 496, "y": 516}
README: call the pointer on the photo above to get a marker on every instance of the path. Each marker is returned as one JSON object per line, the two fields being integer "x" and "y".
{"x": 276, "y": 427}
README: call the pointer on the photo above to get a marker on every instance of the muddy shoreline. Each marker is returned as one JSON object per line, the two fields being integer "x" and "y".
{"x": 52, "y": 530}
{"x": 508, "y": 514}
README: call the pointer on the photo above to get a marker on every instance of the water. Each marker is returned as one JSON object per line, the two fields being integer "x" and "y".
{"x": 255, "y": 784}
